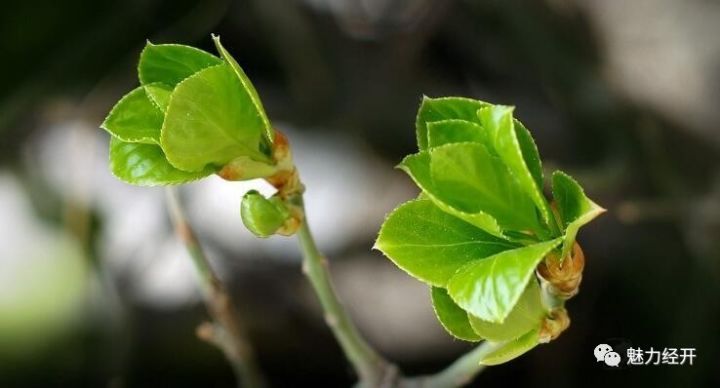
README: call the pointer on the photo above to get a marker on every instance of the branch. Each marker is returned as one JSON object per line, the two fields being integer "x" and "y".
{"x": 227, "y": 331}
{"x": 372, "y": 369}
{"x": 459, "y": 373}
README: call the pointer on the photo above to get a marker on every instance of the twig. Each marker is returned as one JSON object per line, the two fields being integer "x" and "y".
{"x": 372, "y": 369}
{"x": 227, "y": 331}
{"x": 459, "y": 373}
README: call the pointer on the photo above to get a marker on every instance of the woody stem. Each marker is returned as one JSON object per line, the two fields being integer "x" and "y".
{"x": 227, "y": 332}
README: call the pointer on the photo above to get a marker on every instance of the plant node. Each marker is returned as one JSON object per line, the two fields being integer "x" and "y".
{"x": 556, "y": 322}
{"x": 563, "y": 274}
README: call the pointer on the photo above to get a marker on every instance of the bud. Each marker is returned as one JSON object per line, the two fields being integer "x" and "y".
{"x": 554, "y": 325}
{"x": 563, "y": 274}
{"x": 265, "y": 217}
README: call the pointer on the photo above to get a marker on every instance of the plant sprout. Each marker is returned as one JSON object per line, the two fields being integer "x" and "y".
{"x": 482, "y": 225}
{"x": 499, "y": 258}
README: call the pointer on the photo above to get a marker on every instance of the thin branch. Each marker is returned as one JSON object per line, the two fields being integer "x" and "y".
{"x": 227, "y": 331}
{"x": 459, "y": 373}
{"x": 372, "y": 369}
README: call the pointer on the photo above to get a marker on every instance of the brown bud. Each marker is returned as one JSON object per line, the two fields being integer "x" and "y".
{"x": 554, "y": 325}
{"x": 281, "y": 146}
{"x": 293, "y": 223}
{"x": 564, "y": 275}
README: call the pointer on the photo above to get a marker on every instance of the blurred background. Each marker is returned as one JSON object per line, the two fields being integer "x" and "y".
{"x": 96, "y": 291}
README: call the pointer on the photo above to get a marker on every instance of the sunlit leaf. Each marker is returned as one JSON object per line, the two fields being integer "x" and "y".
{"x": 451, "y": 316}
{"x": 135, "y": 119}
{"x": 211, "y": 120}
{"x": 490, "y": 288}
{"x": 468, "y": 177}
{"x": 445, "y": 108}
{"x": 530, "y": 153}
{"x": 171, "y": 63}
{"x": 454, "y": 131}
{"x": 145, "y": 165}
{"x": 248, "y": 86}
{"x": 527, "y": 315}
{"x": 512, "y": 349}
{"x": 418, "y": 167}
{"x": 574, "y": 207}
{"x": 431, "y": 244}
{"x": 500, "y": 126}
{"x": 159, "y": 94}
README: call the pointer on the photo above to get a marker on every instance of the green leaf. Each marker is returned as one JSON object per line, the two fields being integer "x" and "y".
{"x": 431, "y": 244}
{"x": 527, "y": 314}
{"x": 490, "y": 288}
{"x": 445, "y": 108}
{"x": 505, "y": 140}
{"x": 451, "y": 316}
{"x": 159, "y": 94}
{"x": 530, "y": 153}
{"x": 244, "y": 168}
{"x": 135, "y": 119}
{"x": 210, "y": 121}
{"x": 418, "y": 167}
{"x": 262, "y": 216}
{"x": 468, "y": 177}
{"x": 248, "y": 86}
{"x": 145, "y": 165}
{"x": 574, "y": 207}
{"x": 171, "y": 63}
{"x": 454, "y": 131}
{"x": 513, "y": 349}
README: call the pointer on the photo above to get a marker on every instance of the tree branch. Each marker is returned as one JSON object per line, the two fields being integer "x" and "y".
{"x": 459, "y": 373}
{"x": 372, "y": 369}
{"x": 227, "y": 331}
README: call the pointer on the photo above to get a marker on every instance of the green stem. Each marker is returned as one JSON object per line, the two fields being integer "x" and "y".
{"x": 371, "y": 368}
{"x": 549, "y": 297}
{"x": 227, "y": 332}
{"x": 459, "y": 373}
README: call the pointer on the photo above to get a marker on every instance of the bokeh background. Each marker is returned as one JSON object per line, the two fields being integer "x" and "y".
{"x": 96, "y": 291}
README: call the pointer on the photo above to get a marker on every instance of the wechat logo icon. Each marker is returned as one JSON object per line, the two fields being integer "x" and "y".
{"x": 605, "y": 353}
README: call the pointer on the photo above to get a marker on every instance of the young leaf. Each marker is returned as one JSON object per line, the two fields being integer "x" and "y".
{"x": 262, "y": 217}
{"x": 527, "y": 314}
{"x": 468, "y": 177}
{"x": 513, "y": 349}
{"x": 490, "y": 288}
{"x": 171, "y": 63}
{"x": 418, "y": 167}
{"x": 248, "y": 86}
{"x": 431, "y": 244}
{"x": 574, "y": 207}
{"x": 245, "y": 168}
{"x": 451, "y": 316}
{"x": 211, "y": 120}
{"x": 145, "y": 165}
{"x": 499, "y": 123}
{"x": 454, "y": 131}
{"x": 530, "y": 153}
{"x": 446, "y": 108}
{"x": 159, "y": 94}
{"x": 135, "y": 119}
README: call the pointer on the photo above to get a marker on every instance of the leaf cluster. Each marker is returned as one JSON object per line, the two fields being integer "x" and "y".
{"x": 482, "y": 223}
{"x": 193, "y": 114}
